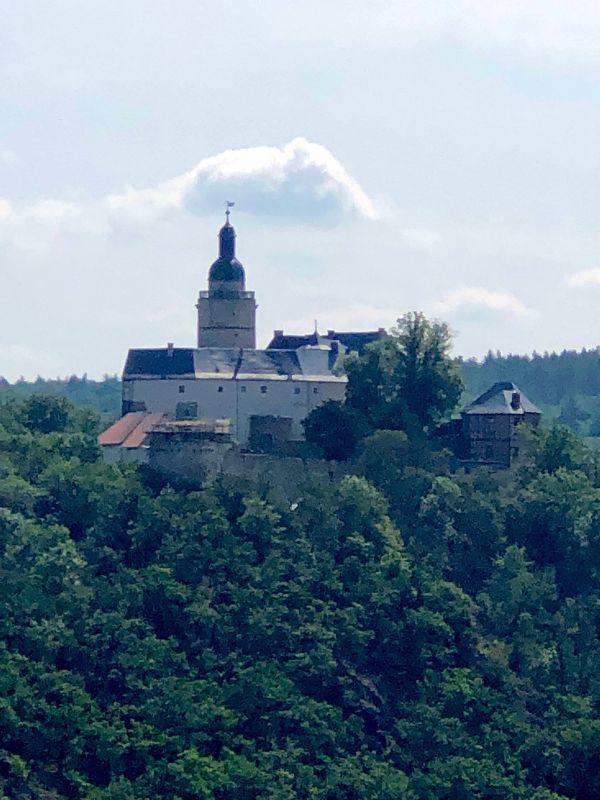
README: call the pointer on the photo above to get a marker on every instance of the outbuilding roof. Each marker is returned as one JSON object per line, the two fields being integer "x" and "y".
{"x": 131, "y": 430}
{"x": 502, "y": 398}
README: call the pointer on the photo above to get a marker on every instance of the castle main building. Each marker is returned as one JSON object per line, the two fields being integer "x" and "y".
{"x": 264, "y": 395}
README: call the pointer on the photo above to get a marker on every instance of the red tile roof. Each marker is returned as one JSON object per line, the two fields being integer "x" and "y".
{"x": 131, "y": 430}
{"x": 138, "y": 434}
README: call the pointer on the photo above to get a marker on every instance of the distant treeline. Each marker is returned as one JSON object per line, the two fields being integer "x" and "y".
{"x": 550, "y": 378}
{"x": 103, "y": 395}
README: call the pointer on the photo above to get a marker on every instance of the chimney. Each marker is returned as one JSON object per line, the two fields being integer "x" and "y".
{"x": 170, "y": 349}
{"x": 277, "y": 334}
{"x": 515, "y": 402}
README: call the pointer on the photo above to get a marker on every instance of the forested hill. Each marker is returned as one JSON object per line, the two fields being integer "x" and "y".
{"x": 408, "y": 634}
{"x": 103, "y": 396}
{"x": 566, "y": 385}
{"x": 549, "y": 378}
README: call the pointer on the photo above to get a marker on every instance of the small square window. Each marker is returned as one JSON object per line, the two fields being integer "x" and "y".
{"x": 296, "y": 390}
{"x": 315, "y": 390}
{"x": 243, "y": 390}
{"x": 220, "y": 389}
{"x": 181, "y": 389}
{"x": 263, "y": 389}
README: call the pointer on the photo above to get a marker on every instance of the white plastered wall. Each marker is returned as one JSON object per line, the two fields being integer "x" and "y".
{"x": 239, "y": 399}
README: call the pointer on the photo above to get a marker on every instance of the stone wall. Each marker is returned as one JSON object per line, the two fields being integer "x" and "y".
{"x": 199, "y": 458}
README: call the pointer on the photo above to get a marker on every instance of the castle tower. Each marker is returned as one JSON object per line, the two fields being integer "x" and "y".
{"x": 226, "y": 312}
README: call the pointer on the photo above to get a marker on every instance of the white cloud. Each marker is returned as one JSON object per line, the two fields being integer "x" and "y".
{"x": 587, "y": 277}
{"x": 475, "y": 298}
{"x": 301, "y": 182}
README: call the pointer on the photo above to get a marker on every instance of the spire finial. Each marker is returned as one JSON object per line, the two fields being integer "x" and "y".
{"x": 228, "y": 205}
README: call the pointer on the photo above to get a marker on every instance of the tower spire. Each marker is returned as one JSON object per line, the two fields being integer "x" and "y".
{"x": 227, "y": 235}
{"x": 227, "y": 312}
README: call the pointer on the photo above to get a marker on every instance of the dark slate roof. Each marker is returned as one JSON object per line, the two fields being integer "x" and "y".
{"x": 221, "y": 361}
{"x": 352, "y": 340}
{"x": 163, "y": 362}
{"x": 498, "y": 400}
{"x": 283, "y": 342}
{"x": 269, "y": 362}
{"x": 211, "y": 362}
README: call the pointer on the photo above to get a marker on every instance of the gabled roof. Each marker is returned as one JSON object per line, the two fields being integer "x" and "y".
{"x": 131, "y": 430}
{"x": 224, "y": 363}
{"x": 163, "y": 362}
{"x": 282, "y": 342}
{"x": 210, "y": 362}
{"x": 270, "y": 363}
{"x": 352, "y": 340}
{"x": 356, "y": 341}
{"x": 502, "y": 398}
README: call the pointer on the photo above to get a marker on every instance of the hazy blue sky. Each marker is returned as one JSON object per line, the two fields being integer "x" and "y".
{"x": 383, "y": 157}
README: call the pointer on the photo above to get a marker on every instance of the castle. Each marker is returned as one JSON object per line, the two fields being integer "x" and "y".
{"x": 196, "y": 411}
{"x": 261, "y": 396}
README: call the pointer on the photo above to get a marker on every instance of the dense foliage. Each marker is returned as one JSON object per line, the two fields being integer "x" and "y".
{"x": 406, "y": 382}
{"x": 406, "y": 633}
{"x": 550, "y": 378}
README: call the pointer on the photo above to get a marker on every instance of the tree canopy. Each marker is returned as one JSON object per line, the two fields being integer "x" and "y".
{"x": 407, "y": 632}
{"x": 407, "y": 381}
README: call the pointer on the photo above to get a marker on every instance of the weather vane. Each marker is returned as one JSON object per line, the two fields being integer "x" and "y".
{"x": 228, "y": 205}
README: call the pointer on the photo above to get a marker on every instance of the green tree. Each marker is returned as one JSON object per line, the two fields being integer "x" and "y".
{"x": 45, "y": 414}
{"x": 407, "y": 381}
{"x": 336, "y": 429}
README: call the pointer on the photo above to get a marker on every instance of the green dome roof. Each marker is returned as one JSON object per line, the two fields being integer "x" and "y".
{"x": 227, "y": 267}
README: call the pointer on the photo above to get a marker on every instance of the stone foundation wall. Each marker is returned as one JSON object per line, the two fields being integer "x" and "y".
{"x": 199, "y": 459}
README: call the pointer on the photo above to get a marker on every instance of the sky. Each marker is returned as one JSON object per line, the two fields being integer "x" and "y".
{"x": 383, "y": 157}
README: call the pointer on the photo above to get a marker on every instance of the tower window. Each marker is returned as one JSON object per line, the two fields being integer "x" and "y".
{"x": 296, "y": 390}
{"x": 263, "y": 389}
{"x": 315, "y": 390}
{"x": 220, "y": 389}
{"x": 243, "y": 390}
{"x": 181, "y": 389}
